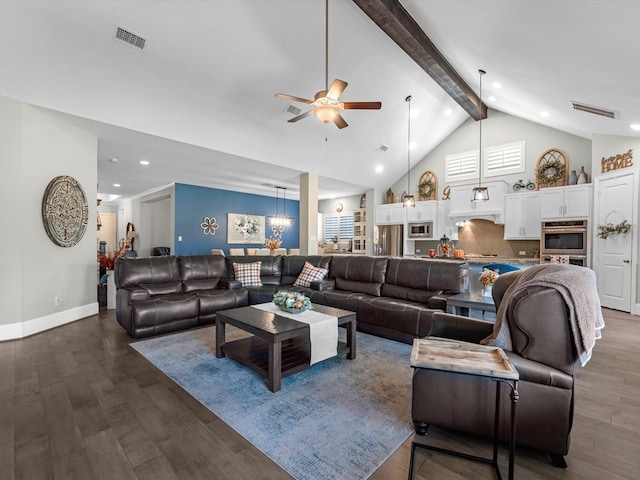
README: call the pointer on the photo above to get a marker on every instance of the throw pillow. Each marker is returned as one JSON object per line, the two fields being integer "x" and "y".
{"x": 248, "y": 273}
{"x": 310, "y": 274}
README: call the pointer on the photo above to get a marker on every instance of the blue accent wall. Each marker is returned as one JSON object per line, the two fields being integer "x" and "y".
{"x": 194, "y": 203}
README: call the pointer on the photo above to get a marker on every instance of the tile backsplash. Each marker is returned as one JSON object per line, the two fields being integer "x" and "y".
{"x": 485, "y": 237}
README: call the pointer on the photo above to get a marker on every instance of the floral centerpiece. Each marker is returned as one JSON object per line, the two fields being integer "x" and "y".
{"x": 292, "y": 302}
{"x": 487, "y": 278}
{"x": 272, "y": 243}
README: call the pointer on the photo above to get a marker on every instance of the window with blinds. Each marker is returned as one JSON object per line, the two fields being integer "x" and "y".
{"x": 504, "y": 159}
{"x": 340, "y": 226}
{"x": 461, "y": 166}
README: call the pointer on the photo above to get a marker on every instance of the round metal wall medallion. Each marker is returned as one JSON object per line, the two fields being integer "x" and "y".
{"x": 65, "y": 212}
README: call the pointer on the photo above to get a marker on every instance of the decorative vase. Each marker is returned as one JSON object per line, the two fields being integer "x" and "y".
{"x": 487, "y": 290}
{"x": 582, "y": 178}
{"x": 573, "y": 178}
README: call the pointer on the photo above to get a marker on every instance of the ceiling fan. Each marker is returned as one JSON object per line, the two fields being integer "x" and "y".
{"x": 326, "y": 103}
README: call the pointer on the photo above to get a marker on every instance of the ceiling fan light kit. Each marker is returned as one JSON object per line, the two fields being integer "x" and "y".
{"x": 327, "y": 105}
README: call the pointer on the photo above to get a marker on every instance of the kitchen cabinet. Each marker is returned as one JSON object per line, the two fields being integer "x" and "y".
{"x": 426, "y": 211}
{"x": 571, "y": 202}
{"x": 359, "y": 230}
{"x": 462, "y": 208}
{"x": 522, "y": 216}
{"x": 390, "y": 214}
{"x": 444, "y": 226}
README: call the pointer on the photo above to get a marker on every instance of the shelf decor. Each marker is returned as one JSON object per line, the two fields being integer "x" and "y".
{"x": 610, "y": 229}
{"x": 428, "y": 186}
{"x": 551, "y": 169}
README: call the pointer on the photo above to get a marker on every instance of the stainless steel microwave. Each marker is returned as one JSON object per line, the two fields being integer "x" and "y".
{"x": 564, "y": 238}
{"x": 420, "y": 230}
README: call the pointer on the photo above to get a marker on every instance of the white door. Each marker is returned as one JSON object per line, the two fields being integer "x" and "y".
{"x": 613, "y": 262}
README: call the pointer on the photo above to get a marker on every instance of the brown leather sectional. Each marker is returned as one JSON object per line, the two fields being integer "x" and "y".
{"x": 394, "y": 298}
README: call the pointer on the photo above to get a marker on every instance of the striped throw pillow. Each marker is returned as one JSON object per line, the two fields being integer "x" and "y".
{"x": 310, "y": 274}
{"x": 248, "y": 273}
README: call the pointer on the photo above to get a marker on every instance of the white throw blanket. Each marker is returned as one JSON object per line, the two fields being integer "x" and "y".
{"x": 578, "y": 287}
{"x": 323, "y": 330}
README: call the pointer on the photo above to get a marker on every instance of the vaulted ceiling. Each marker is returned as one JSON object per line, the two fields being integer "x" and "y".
{"x": 198, "y": 101}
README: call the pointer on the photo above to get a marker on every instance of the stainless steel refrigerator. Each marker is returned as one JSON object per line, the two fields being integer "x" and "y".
{"x": 390, "y": 240}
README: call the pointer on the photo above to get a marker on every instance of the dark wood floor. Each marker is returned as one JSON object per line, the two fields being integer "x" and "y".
{"x": 77, "y": 403}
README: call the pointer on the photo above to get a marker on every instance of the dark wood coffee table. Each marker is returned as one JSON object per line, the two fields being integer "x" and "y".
{"x": 279, "y": 345}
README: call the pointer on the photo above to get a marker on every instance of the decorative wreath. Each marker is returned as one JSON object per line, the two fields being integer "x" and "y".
{"x": 550, "y": 172}
{"x": 426, "y": 188}
{"x": 609, "y": 229}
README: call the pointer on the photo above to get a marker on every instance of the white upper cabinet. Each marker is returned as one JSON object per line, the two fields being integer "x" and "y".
{"x": 426, "y": 211}
{"x": 445, "y": 226}
{"x": 522, "y": 216}
{"x": 390, "y": 214}
{"x": 571, "y": 202}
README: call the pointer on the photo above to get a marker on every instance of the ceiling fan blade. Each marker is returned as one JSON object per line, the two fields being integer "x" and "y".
{"x": 300, "y": 117}
{"x": 295, "y": 99}
{"x": 362, "y": 105}
{"x": 339, "y": 121}
{"x": 336, "y": 88}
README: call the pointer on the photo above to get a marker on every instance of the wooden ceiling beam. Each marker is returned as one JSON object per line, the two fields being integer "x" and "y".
{"x": 400, "y": 26}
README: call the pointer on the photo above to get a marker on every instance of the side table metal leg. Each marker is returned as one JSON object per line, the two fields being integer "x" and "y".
{"x": 496, "y": 425}
{"x": 512, "y": 443}
{"x": 413, "y": 451}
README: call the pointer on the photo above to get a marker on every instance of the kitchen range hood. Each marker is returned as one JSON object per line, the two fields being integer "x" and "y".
{"x": 463, "y": 208}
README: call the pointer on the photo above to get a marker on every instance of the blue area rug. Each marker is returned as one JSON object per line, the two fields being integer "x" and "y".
{"x": 339, "y": 419}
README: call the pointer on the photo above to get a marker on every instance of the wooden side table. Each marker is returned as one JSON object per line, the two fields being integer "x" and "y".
{"x": 470, "y": 359}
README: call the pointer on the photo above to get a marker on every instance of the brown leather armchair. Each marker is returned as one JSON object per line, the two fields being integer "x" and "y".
{"x": 543, "y": 353}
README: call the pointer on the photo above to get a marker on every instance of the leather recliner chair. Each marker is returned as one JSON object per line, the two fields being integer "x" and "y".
{"x": 544, "y": 355}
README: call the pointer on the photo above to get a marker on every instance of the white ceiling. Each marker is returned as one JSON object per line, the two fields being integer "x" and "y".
{"x": 198, "y": 103}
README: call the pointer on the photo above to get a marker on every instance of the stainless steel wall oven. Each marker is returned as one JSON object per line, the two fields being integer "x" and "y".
{"x": 566, "y": 237}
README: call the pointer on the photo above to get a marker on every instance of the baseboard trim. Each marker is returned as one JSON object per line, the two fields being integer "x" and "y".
{"x": 15, "y": 331}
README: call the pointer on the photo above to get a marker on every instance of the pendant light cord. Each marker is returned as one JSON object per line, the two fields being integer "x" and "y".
{"x": 408, "y": 100}
{"x": 482, "y": 72}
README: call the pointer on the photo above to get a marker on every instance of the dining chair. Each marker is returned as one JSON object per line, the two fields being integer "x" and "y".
{"x": 217, "y": 251}
{"x": 279, "y": 251}
{"x": 294, "y": 251}
{"x": 251, "y": 251}
{"x": 263, "y": 251}
{"x": 236, "y": 251}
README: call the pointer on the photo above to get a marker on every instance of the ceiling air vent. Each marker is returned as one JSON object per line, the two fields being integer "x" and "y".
{"x": 293, "y": 110}
{"x": 129, "y": 38}
{"x": 595, "y": 110}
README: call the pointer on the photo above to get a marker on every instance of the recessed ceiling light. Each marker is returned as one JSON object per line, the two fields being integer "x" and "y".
{"x": 114, "y": 160}
{"x": 492, "y": 99}
{"x": 448, "y": 112}
{"x": 544, "y": 114}
{"x": 415, "y": 112}
{"x": 379, "y": 168}
{"x": 412, "y": 145}
{"x": 117, "y": 185}
{"x": 496, "y": 85}
{"x": 635, "y": 126}
{"x": 144, "y": 162}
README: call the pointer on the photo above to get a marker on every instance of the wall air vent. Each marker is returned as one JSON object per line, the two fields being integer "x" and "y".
{"x": 594, "y": 110}
{"x": 129, "y": 38}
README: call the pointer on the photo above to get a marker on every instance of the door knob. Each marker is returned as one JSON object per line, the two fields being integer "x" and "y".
{"x": 626, "y": 260}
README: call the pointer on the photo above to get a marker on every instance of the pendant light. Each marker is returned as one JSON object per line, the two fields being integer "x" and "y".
{"x": 280, "y": 222}
{"x": 408, "y": 200}
{"x": 480, "y": 193}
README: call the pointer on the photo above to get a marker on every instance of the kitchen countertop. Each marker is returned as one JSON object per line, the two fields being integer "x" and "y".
{"x": 489, "y": 259}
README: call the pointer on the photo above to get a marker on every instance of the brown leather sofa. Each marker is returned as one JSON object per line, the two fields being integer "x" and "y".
{"x": 394, "y": 298}
{"x": 544, "y": 355}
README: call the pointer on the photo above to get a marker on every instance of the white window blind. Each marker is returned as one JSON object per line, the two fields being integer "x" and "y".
{"x": 504, "y": 159}
{"x": 340, "y": 226}
{"x": 461, "y": 166}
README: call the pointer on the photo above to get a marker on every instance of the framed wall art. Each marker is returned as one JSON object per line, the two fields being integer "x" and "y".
{"x": 244, "y": 228}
